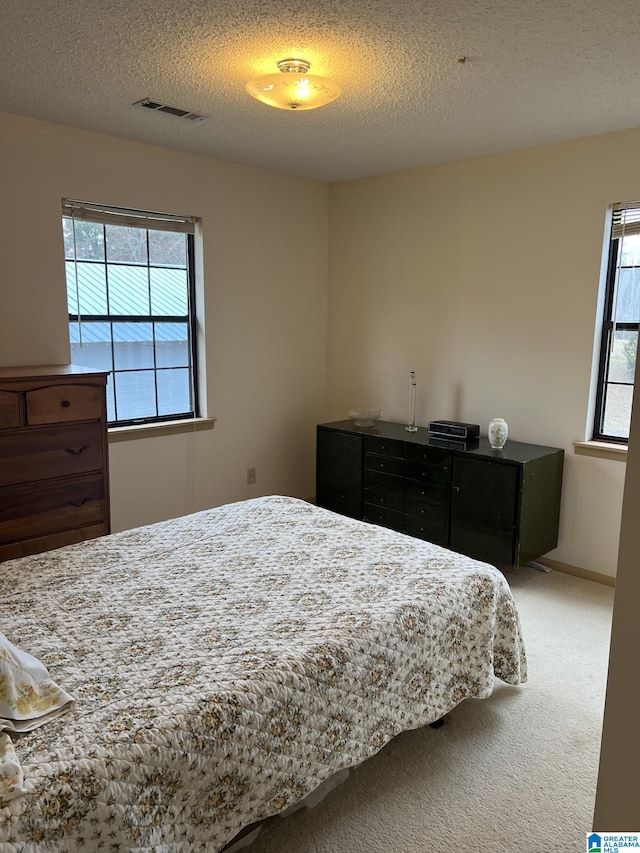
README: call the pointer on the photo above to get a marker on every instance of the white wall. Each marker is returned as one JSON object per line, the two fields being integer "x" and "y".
{"x": 483, "y": 276}
{"x": 264, "y": 255}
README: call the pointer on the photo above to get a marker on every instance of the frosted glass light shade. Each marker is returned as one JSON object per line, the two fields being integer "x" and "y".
{"x": 293, "y": 88}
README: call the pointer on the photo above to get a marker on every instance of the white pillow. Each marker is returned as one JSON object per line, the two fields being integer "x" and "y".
{"x": 28, "y": 699}
{"x": 11, "y": 779}
{"x": 28, "y": 696}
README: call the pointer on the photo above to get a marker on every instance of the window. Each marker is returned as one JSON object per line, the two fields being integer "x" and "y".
{"x": 620, "y": 325}
{"x": 131, "y": 296}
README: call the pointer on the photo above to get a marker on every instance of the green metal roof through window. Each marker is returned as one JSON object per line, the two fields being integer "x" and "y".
{"x": 126, "y": 290}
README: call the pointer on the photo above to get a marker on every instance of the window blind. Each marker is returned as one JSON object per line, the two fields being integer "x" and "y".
{"x": 123, "y": 216}
{"x": 626, "y": 219}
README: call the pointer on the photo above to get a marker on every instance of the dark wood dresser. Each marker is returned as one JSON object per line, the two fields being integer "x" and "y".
{"x": 499, "y": 506}
{"x": 54, "y": 485}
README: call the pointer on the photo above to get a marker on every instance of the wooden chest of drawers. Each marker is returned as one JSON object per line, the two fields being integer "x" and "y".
{"x": 54, "y": 487}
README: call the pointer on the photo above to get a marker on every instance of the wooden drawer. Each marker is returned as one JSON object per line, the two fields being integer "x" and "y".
{"x": 384, "y": 446}
{"x": 38, "y": 544}
{"x": 433, "y": 528}
{"x": 46, "y": 452}
{"x": 421, "y": 512}
{"x": 10, "y": 410}
{"x": 384, "y": 482}
{"x": 392, "y": 500}
{"x": 427, "y": 474}
{"x": 384, "y": 464}
{"x": 61, "y": 403}
{"x": 418, "y": 494}
{"x": 428, "y": 455}
{"x": 384, "y": 516}
{"x": 54, "y": 505}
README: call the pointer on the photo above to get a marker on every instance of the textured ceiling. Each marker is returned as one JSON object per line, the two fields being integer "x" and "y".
{"x": 535, "y": 72}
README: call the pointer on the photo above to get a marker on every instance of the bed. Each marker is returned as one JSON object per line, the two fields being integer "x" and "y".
{"x": 227, "y": 663}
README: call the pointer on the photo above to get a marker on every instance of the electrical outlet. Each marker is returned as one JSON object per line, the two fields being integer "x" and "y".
{"x": 251, "y": 476}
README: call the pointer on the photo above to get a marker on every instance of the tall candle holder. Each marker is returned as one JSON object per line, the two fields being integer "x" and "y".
{"x": 411, "y": 426}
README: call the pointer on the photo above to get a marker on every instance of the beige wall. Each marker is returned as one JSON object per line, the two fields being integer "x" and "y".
{"x": 483, "y": 276}
{"x": 265, "y": 291}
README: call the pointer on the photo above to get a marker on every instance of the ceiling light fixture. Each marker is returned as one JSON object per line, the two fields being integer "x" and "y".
{"x": 293, "y": 88}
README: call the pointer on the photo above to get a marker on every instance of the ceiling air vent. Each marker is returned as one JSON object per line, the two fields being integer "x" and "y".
{"x": 190, "y": 115}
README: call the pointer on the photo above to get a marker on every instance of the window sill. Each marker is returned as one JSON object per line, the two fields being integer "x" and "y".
{"x": 128, "y": 433}
{"x": 601, "y": 450}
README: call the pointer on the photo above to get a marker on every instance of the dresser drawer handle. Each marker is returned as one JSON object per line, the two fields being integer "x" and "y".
{"x": 77, "y": 452}
{"x": 65, "y": 404}
{"x": 80, "y": 502}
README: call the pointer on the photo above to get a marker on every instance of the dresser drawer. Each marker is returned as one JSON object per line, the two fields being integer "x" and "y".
{"x": 429, "y": 455}
{"x": 27, "y": 510}
{"x": 418, "y": 494}
{"x": 10, "y": 410}
{"x": 384, "y": 482}
{"x": 383, "y": 516}
{"x": 392, "y": 500}
{"x": 46, "y": 452}
{"x": 60, "y": 403}
{"x": 432, "y": 528}
{"x": 427, "y": 474}
{"x": 384, "y": 446}
{"x": 384, "y": 464}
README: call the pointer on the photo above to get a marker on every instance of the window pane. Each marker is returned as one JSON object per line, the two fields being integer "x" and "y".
{"x": 136, "y": 395}
{"x": 132, "y": 346}
{"x": 622, "y": 360}
{"x": 173, "y": 392}
{"x": 111, "y": 404}
{"x": 128, "y": 290}
{"x": 126, "y": 245}
{"x": 630, "y": 251}
{"x": 91, "y": 288}
{"x": 169, "y": 292}
{"x": 172, "y": 346}
{"x": 133, "y": 277}
{"x": 167, "y": 249}
{"x": 91, "y": 345}
{"x": 628, "y": 296}
{"x": 67, "y": 234}
{"x": 617, "y": 413}
{"x": 72, "y": 295}
{"x": 89, "y": 240}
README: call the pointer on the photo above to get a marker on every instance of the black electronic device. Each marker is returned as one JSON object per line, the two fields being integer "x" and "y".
{"x": 454, "y": 429}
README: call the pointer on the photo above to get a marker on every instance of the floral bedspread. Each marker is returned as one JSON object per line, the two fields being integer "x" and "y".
{"x": 227, "y": 662}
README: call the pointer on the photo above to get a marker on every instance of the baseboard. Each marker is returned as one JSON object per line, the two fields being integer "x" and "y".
{"x": 578, "y": 572}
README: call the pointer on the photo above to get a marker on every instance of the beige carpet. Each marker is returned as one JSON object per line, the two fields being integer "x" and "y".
{"x": 515, "y": 773}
